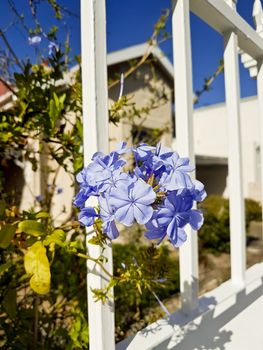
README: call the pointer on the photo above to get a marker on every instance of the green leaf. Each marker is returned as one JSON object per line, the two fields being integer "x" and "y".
{"x": 62, "y": 100}
{"x": 2, "y": 207}
{"x": 79, "y": 331}
{"x": 37, "y": 264}
{"x": 94, "y": 240}
{"x": 5, "y": 267}
{"x": 52, "y": 112}
{"x": 56, "y": 100}
{"x": 57, "y": 237}
{"x": 32, "y": 227}
{"x": 7, "y": 233}
{"x": 9, "y": 302}
{"x": 42, "y": 214}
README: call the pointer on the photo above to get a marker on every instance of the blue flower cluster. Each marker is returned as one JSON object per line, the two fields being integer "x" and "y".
{"x": 36, "y": 40}
{"x": 157, "y": 193}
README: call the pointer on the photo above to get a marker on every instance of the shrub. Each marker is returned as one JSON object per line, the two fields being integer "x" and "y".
{"x": 130, "y": 304}
{"x": 214, "y": 235}
{"x": 253, "y": 211}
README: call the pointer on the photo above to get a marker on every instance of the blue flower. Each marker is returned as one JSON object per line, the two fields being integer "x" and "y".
{"x": 102, "y": 167}
{"x": 108, "y": 218}
{"x": 177, "y": 177}
{"x": 39, "y": 198}
{"x": 198, "y": 191}
{"x": 155, "y": 230}
{"x": 172, "y": 216}
{"x": 52, "y": 48}
{"x": 116, "y": 180}
{"x": 34, "y": 40}
{"x": 160, "y": 160}
{"x": 143, "y": 151}
{"x": 83, "y": 195}
{"x": 133, "y": 202}
{"x": 87, "y": 216}
{"x": 121, "y": 148}
{"x": 59, "y": 190}
{"x": 127, "y": 197}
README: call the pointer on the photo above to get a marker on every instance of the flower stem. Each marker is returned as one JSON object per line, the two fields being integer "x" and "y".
{"x": 87, "y": 257}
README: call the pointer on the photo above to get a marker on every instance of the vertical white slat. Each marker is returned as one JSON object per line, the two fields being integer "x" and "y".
{"x": 95, "y": 123}
{"x": 232, "y": 3}
{"x": 258, "y": 20}
{"x": 237, "y": 214}
{"x": 260, "y": 105}
{"x": 185, "y": 140}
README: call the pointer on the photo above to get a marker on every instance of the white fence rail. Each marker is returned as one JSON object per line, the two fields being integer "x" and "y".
{"x": 236, "y": 32}
{"x": 96, "y": 135}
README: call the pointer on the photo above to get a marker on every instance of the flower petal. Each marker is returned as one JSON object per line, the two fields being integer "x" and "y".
{"x": 180, "y": 239}
{"x": 110, "y": 229}
{"x": 196, "y": 219}
{"x": 125, "y": 214}
{"x": 143, "y": 193}
{"x": 142, "y": 213}
{"x": 87, "y": 216}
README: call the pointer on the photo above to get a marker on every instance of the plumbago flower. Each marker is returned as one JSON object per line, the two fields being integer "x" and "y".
{"x": 158, "y": 193}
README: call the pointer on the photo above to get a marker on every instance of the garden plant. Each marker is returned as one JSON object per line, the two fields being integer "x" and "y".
{"x": 43, "y": 265}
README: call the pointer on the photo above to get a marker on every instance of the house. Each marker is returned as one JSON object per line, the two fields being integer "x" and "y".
{"x": 210, "y": 129}
{"x": 210, "y": 125}
{"x": 211, "y": 147}
{"x": 143, "y": 85}
{"x": 154, "y": 76}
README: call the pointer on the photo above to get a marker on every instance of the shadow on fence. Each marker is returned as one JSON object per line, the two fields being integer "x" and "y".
{"x": 199, "y": 331}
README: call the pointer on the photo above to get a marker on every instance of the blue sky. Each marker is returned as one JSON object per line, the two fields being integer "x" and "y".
{"x": 130, "y": 23}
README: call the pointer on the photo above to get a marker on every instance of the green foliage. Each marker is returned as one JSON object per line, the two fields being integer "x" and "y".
{"x": 133, "y": 297}
{"x": 253, "y": 211}
{"x": 214, "y": 235}
{"x": 42, "y": 278}
{"x": 7, "y": 233}
{"x": 32, "y": 227}
{"x": 41, "y": 111}
{"x": 79, "y": 332}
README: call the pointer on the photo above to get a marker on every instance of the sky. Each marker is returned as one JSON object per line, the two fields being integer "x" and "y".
{"x": 130, "y": 23}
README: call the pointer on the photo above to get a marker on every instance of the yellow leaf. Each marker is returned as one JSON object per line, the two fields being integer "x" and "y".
{"x": 37, "y": 265}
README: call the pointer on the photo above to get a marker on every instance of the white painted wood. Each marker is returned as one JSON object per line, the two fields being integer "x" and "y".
{"x": 237, "y": 217}
{"x": 258, "y": 16}
{"x": 229, "y": 317}
{"x": 218, "y": 15}
{"x": 260, "y": 105}
{"x": 95, "y": 122}
{"x": 247, "y": 60}
{"x": 185, "y": 142}
{"x": 232, "y": 3}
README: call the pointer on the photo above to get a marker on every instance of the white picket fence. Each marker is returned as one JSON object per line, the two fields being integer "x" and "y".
{"x": 238, "y": 36}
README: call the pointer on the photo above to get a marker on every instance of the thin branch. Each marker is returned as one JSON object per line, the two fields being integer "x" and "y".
{"x": 152, "y": 42}
{"x": 87, "y": 257}
{"x": 11, "y": 50}
{"x": 18, "y": 15}
{"x": 208, "y": 82}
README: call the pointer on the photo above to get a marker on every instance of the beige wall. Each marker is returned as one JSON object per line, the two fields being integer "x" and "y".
{"x": 137, "y": 87}
{"x": 210, "y": 132}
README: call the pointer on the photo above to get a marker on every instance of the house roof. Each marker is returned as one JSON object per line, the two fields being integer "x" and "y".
{"x": 117, "y": 57}
{"x": 137, "y": 51}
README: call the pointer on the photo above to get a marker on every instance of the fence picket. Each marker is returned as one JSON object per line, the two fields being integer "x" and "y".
{"x": 237, "y": 217}
{"x": 95, "y": 123}
{"x": 185, "y": 140}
